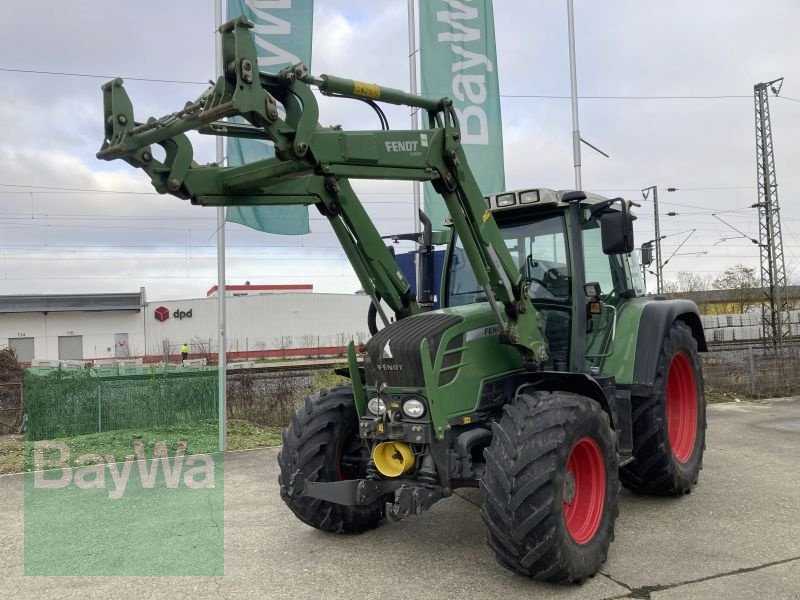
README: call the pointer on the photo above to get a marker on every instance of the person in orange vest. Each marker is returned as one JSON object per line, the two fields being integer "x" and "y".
{"x": 184, "y": 351}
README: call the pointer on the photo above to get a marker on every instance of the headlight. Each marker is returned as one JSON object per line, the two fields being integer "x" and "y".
{"x": 376, "y": 406}
{"x": 413, "y": 408}
{"x": 506, "y": 200}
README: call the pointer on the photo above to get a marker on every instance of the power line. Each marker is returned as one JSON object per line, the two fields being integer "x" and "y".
{"x": 34, "y": 189}
{"x": 96, "y": 76}
{"x": 615, "y": 97}
{"x": 511, "y": 96}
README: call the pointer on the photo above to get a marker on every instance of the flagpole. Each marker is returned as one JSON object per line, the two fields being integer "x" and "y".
{"x": 221, "y": 291}
{"x": 573, "y": 81}
{"x": 412, "y": 76}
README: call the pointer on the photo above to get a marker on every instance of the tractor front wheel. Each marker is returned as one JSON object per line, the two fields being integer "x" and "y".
{"x": 550, "y": 487}
{"x": 322, "y": 443}
{"x": 669, "y": 426}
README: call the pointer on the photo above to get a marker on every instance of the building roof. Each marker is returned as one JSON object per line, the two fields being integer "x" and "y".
{"x": 71, "y": 302}
{"x": 291, "y": 287}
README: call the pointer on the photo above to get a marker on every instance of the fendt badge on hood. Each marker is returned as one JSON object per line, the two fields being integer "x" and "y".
{"x": 387, "y": 353}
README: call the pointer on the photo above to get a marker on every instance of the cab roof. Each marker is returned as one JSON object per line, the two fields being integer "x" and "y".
{"x": 532, "y": 197}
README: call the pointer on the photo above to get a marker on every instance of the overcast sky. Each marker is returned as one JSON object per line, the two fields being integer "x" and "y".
{"x": 57, "y": 238}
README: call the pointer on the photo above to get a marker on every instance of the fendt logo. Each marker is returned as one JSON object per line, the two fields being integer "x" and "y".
{"x": 162, "y": 313}
{"x": 401, "y": 146}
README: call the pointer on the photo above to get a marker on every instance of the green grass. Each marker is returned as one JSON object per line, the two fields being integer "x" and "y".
{"x": 11, "y": 454}
{"x": 199, "y": 437}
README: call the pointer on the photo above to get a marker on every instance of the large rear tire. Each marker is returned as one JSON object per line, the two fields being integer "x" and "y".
{"x": 322, "y": 443}
{"x": 669, "y": 426}
{"x": 550, "y": 488}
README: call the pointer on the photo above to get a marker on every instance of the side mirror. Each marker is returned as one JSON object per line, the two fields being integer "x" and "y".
{"x": 647, "y": 254}
{"x": 616, "y": 230}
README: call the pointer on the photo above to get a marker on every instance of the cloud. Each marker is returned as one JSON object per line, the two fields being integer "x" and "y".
{"x": 52, "y": 127}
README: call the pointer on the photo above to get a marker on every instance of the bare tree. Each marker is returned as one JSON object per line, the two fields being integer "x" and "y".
{"x": 307, "y": 343}
{"x": 693, "y": 286}
{"x": 201, "y": 347}
{"x": 341, "y": 341}
{"x": 283, "y": 343}
{"x": 740, "y": 281}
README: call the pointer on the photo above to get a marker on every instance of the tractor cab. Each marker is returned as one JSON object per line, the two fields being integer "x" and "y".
{"x": 576, "y": 268}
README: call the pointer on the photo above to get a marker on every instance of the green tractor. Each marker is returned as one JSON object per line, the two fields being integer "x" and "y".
{"x": 546, "y": 379}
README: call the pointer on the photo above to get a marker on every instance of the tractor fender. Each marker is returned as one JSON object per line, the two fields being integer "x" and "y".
{"x": 577, "y": 383}
{"x": 656, "y": 319}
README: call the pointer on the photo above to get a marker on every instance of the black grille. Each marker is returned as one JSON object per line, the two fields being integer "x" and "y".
{"x": 404, "y": 367}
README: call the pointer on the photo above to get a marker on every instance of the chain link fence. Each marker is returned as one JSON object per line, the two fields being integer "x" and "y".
{"x": 67, "y": 403}
{"x": 71, "y": 402}
{"x": 754, "y": 371}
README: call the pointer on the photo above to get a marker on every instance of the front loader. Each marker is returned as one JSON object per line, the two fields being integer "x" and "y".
{"x": 547, "y": 378}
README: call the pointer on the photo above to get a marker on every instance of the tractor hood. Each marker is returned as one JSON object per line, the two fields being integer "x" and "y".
{"x": 448, "y": 353}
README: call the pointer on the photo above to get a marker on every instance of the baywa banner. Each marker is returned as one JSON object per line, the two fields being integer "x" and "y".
{"x": 282, "y": 34}
{"x": 459, "y": 60}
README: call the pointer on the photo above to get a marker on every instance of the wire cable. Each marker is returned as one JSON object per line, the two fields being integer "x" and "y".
{"x": 97, "y": 76}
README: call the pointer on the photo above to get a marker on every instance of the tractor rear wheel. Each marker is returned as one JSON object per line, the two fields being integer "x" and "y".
{"x": 550, "y": 488}
{"x": 322, "y": 443}
{"x": 669, "y": 426}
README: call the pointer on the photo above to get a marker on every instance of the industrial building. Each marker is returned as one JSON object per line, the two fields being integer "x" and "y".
{"x": 262, "y": 321}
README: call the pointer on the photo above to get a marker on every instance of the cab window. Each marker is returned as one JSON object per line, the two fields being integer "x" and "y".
{"x": 539, "y": 249}
{"x": 607, "y": 270}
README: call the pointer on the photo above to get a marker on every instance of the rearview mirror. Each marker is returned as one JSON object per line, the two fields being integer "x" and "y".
{"x": 616, "y": 230}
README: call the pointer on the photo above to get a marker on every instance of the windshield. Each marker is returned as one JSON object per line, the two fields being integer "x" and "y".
{"x": 540, "y": 251}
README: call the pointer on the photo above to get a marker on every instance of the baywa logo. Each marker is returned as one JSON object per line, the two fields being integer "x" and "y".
{"x": 162, "y": 313}
{"x": 195, "y": 471}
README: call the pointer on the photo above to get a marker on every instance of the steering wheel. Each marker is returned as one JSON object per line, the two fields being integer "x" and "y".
{"x": 553, "y": 275}
{"x": 551, "y": 281}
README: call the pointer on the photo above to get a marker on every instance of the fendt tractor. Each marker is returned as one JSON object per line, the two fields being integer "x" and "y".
{"x": 547, "y": 377}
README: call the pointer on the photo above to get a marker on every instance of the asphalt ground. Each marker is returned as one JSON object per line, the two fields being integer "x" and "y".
{"x": 736, "y": 536}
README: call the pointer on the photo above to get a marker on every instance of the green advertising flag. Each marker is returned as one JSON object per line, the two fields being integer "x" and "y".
{"x": 283, "y": 37}
{"x": 459, "y": 60}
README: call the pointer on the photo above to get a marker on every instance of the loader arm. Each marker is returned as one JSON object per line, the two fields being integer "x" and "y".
{"x": 313, "y": 165}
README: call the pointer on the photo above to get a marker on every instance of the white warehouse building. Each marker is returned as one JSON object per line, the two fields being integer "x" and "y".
{"x": 266, "y": 323}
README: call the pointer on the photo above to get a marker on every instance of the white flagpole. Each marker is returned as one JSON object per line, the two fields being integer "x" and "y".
{"x": 412, "y": 73}
{"x": 573, "y": 80}
{"x": 221, "y": 291}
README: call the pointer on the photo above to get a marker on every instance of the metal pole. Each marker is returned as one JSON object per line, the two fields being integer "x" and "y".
{"x": 659, "y": 265}
{"x": 222, "y": 403}
{"x": 412, "y": 79}
{"x": 573, "y": 81}
{"x": 657, "y": 241}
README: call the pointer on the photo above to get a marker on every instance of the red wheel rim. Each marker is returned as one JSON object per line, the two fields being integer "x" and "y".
{"x": 681, "y": 407}
{"x": 584, "y": 490}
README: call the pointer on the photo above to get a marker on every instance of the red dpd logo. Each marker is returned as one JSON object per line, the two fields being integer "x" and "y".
{"x": 162, "y": 313}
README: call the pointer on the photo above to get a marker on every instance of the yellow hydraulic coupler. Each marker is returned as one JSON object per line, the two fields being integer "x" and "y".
{"x": 393, "y": 458}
